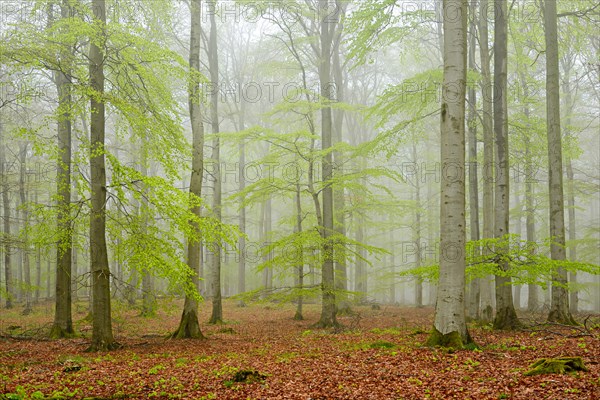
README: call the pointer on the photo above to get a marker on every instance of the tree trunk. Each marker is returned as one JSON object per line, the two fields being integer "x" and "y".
{"x": 559, "y": 308}
{"x": 328, "y": 305}
{"x": 266, "y": 228}
{"x": 213, "y": 62}
{"x": 417, "y": 232}
{"x": 393, "y": 272}
{"x": 485, "y": 286}
{"x": 449, "y": 327}
{"x": 38, "y": 263}
{"x": 63, "y": 320}
{"x": 149, "y": 304}
{"x": 242, "y": 216}
{"x": 25, "y": 226}
{"x": 102, "y": 335}
{"x": 574, "y": 293}
{"x": 188, "y": 325}
{"x": 8, "y": 280}
{"x": 432, "y": 222}
{"x": 532, "y": 288}
{"x": 474, "y": 290}
{"x": 506, "y": 316}
{"x": 341, "y": 270}
{"x": 300, "y": 268}
{"x": 361, "y": 277}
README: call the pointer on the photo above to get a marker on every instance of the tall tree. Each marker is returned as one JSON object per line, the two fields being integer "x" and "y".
{"x": 339, "y": 77}
{"x": 417, "y": 231}
{"x": 213, "y": 62}
{"x": 102, "y": 335}
{"x": 188, "y": 325}
{"x": 474, "y": 289}
{"x": 328, "y": 306}
{"x": 25, "y": 226}
{"x": 63, "y": 322}
{"x": 559, "y": 308}
{"x": 449, "y": 327}
{"x": 485, "y": 286}
{"x": 8, "y": 278}
{"x": 506, "y": 316}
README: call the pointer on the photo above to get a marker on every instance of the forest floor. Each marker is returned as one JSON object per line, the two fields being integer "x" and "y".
{"x": 378, "y": 356}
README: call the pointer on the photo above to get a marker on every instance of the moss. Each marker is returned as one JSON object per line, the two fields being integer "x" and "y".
{"x": 562, "y": 317}
{"x": 561, "y": 365}
{"x": 506, "y": 319}
{"x": 452, "y": 340}
{"x": 381, "y": 345}
{"x": 57, "y": 332}
{"x": 248, "y": 376}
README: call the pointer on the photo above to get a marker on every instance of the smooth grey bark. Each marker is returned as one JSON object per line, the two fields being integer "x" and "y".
{"x": 485, "y": 285}
{"x": 242, "y": 212}
{"x": 213, "y": 62}
{"x": 149, "y": 303}
{"x": 300, "y": 267}
{"x": 393, "y": 270}
{"x": 7, "y": 248}
{"x": 63, "y": 320}
{"x": 266, "y": 228}
{"x": 341, "y": 270}
{"x": 25, "y": 226}
{"x": 532, "y": 288}
{"x": 506, "y": 316}
{"x": 568, "y": 101}
{"x": 65, "y": 277}
{"x": 188, "y": 325}
{"x": 328, "y": 305}
{"x": 102, "y": 335}
{"x": 474, "y": 293}
{"x": 559, "y": 307}
{"x": 432, "y": 221}
{"x": 361, "y": 276}
{"x": 38, "y": 262}
{"x": 449, "y": 327}
{"x": 417, "y": 232}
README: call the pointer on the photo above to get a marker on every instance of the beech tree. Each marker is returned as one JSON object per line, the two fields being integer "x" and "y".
{"x": 559, "y": 308}
{"x": 63, "y": 323}
{"x": 102, "y": 335}
{"x": 215, "y": 248}
{"x": 189, "y": 326}
{"x": 328, "y": 306}
{"x": 486, "y": 287}
{"x": 449, "y": 327}
{"x": 506, "y": 316}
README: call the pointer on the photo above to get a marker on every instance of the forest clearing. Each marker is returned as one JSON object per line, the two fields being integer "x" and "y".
{"x": 378, "y": 355}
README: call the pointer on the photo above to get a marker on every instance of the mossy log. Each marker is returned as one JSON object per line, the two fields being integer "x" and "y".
{"x": 561, "y": 365}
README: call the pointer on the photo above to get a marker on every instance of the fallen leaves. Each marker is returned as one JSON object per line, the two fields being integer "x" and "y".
{"x": 264, "y": 354}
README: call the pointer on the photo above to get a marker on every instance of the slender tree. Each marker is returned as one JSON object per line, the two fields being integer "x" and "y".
{"x": 8, "y": 278}
{"x": 328, "y": 306}
{"x": 506, "y": 316}
{"x": 188, "y": 325}
{"x": 63, "y": 323}
{"x": 23, "y": 194}
{"x": 102, "y": 335}
{"x": 559, "y": 308}
{"x": 213, "y": 62}
{"x": 486, "y": 287}
{"x": 474, "y": 289}
{"x": 449, "y": 327}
